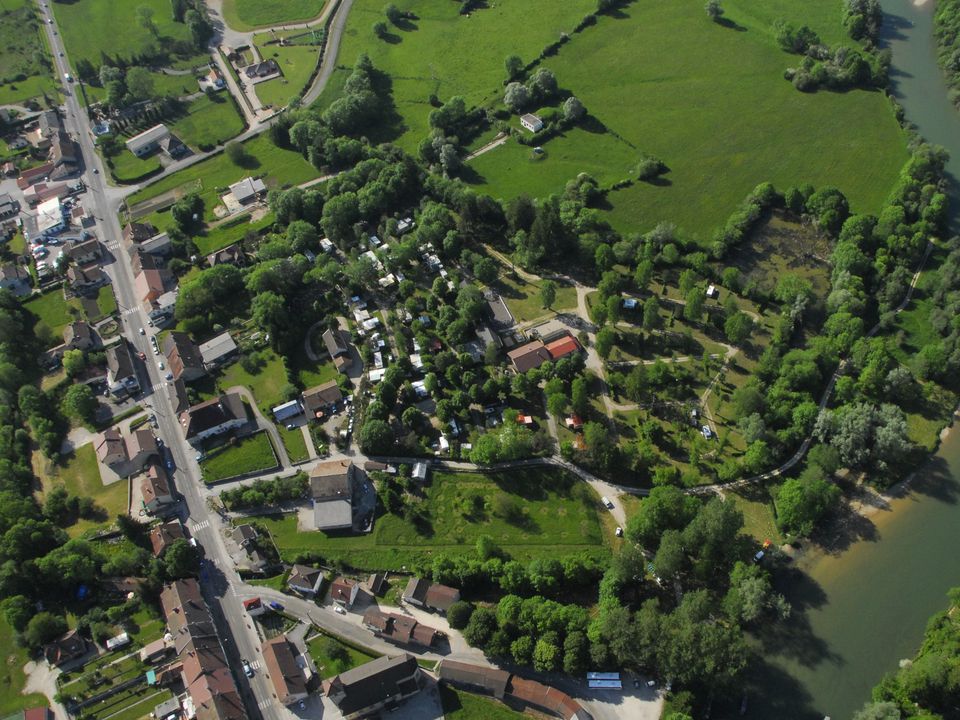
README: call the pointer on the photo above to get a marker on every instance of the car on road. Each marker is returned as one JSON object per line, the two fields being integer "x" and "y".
{"x": 153, "y": 420}
{"x": 96, "y": 171}
{"x": 339, "y": 610}
{"x": 274, "y": 605}
{"x": 142, "y": 355}
{"x": 169, "y": 376}
{"x": 302, "y": 705}
{"x": 247, "y": 670}
{"x": 160, "y": 364}
{"x": 142, "y": 331}
{"x": 169, "y": 464}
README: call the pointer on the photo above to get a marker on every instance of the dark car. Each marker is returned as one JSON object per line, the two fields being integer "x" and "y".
{"x": 274, "y": 605}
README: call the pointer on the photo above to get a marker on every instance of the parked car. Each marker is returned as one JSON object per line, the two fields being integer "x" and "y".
{"x": 339, "y": 610}
{"x": 142, "y": 355}
{"x": 619, "y": 531}
{"x": 707, "y": 432}
{"x": 606, "y": 502}
{"x": 247, "y": 670}
{"x": 274, "y": 605}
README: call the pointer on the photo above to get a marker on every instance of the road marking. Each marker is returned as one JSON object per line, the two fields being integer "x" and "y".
{"x": 158, "y": 387}
{"x": 264, "y": 704}
{"x": 131, "y": 311}
{"x": 255, "y": 664}
{"x": 201, "y": 525}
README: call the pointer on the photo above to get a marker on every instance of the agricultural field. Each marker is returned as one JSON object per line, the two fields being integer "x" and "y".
{"x": 249, "y": 455}
{"x": 252, "y": 14}
{"x": 25, "y": 68}
{"x": 425, "y": 56}
{"x": 92, "y": 27}
{"x": 529, "y": 513}
{"x": 80, "y": 475}
{"x": 279, "y": 167}
{"x": 297, "y": 62}
{"x": 208, "y": 121}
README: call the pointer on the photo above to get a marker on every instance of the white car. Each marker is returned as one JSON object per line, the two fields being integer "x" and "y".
{"x": 339, "y": 610}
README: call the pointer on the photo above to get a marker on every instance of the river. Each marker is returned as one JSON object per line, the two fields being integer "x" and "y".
{"x": 860, "y": 611}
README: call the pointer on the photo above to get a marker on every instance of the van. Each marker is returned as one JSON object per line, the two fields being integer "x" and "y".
{"x": 606, "y": 502}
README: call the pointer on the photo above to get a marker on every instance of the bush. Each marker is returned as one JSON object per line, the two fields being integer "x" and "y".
{"x": 459, "y": 614}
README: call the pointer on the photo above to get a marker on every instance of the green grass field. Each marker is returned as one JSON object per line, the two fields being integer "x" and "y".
{"x": 208, "y": 122}
{"x": 90, "y": 27}
{"x": 346, "y": 658}
{"x": 294, "y": 443}
{"x": 459, "y": 705}
{"x": 297, "y": 63}
{"x": 25, "y": 53}
{"x": 251, "y": 454}
{"x": 523, "y": 297}
{"x": 282, "y": 168}
{"x": 12, "y": 679}
{"x": 80, "y": 475}
{"x": 53, "y": 313}
{"x": 557, "y": 514}
{"x": 265, "y": 384}
{"x": 127, "y": 167}
{"x": 427, "y": 55}
{"x": 251, "y": 14}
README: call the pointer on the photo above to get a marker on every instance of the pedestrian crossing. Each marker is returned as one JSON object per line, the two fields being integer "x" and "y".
{"x": 255, "y": 664}
{"x": 201, "y": 525}
{"x": 158, "y": 387}
{"x": 264, "y": 704}
{"x": 130, "y": 311}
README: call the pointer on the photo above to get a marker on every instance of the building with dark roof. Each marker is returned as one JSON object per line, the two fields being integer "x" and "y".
{"x": 433, "y": 596}
{"x": 183, "y": 357}
{"x": 213, "y": 417}
{"x": 380, "y": 683}
{"x": 155, "y": 489}
{"x": 474, "y": 678}
{"x": 304, "y": 579}
{"x": 121, "y": 372}
{"x": 331, "y": 488}
{"x": 320, "y": 400}
{"x": 288, "y": 679}
{"x": 400, "y": 629}
{"x": 164, "y": 535}
{"x": 65, "y": 648}
{"x": 138, "y": 232}
{"x": 336, "y": 345}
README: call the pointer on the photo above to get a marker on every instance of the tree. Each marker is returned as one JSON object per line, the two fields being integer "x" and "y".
{"x": 546, "y": 656}
{"x": 513, "y": 66}
{"x": 576, "y": 653}
{"x": 145, "y": 18}
{"x": 139, "y": 83}
{"x": 693, "y": 308}
{"x": 557, "y": 404}
{"x": 44, "y": 627}
{"x": 74, "y": 361}
{"x": 459, "y": 614}
{"x": 543, "y": 84}
{"x": 580, "y": 396}
{"x": 714, "y": 10}
{"x": 801, "y": 504}
{"x": 548, "y": 293}
{"x": 667, "y": 507}
{"x": 651, "y": 314}
{"x": 480, "y": 628}
{"x": 200, "y": 29}
{"x": 376, "y": 437}
{"x": 516, "y": 96}
{"x": 179, "y": 9}
{"x": 573, "y": 109}
{"x": 79, "y": 403}
{"x": 181, "y": 559}
{"x": 380, "y": 29}
{"x": 878, "y": 711}
{"x": 738, "y": 328}
{"x": 17, "y": 611}
{"x": 394, "y": 14}
{"x": 237, "y": 153}
{"x": 604, "y": 341}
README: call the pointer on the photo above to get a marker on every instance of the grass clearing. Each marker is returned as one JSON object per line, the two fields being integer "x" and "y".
{"x": 426, "y": 56}
{"x": 266, "y": 383}
{"x": 12, "y": 678}
{"x": 246, "y": 15}
{"x": 551, "y": 512}
{"x": 297, "y": 63}
{"x": 106, "y": 301}
{"x": 208, "y": 121}
{"x": 249, "y": 455}
{"x": 25, "y": 54}
{"x": 459, "y": 705}
{"x": 294, "y": 443}
{"x": 334, "y": 657}
{"x": 312, "y": 373}
{"x": 280, "y": 167}
{"x": 92, "y": 27}
{"x": 53, "y": 312}
{"x": 127, "y": 167}
{"x": 80, "y": 475}
{"x": 523, "y": 297}
{"x": 759, "y": 520}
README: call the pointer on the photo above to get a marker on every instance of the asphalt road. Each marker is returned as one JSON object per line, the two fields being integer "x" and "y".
{"x": 239, "y": 637}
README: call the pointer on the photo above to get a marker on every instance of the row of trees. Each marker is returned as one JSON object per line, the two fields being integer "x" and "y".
{"x": 946, "y": 30}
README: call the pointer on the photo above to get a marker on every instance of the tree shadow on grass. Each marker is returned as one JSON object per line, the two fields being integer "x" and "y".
{"x": 470, "y": 176}
{"x": 592, "y": 124}
{"x": 728, "y": 23}
{"x": 407, "y": 24}
{"x": 391, "y": 39}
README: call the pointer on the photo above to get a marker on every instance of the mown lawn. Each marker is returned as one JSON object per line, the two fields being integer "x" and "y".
{"x": 429, "y": 54}
{"x": 523, "y": 297}
{"x": 230, "y": 232}
{"x": 344, "y": 657}
{"x": 759, "y": 520}
{"x": 127, "y": 167}
{"x": 12, "y": 679}
{"x": 459, "y": 705}
{"x": 310, "y": 373}
{"x": 294, "y": 443}
{"x": 92, "y": 27}
{"x": 297, "y": 63}
{"x": 281, "y": 168}
{"x": 555, "y": 514}
{"x": 53, "y": 313}
{"x": 265, "y": 384}
{"x": 106, "y": 301}
{"x": 80, "y": 475}
{"x": 251, "y": 454}
{"x": 251, "y": 14}
{"x": 208, "y": 122}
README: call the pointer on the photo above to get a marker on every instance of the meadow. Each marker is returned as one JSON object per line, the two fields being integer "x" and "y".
{"x": 252, "y": 14}
{"x": 297, "y": 62}
{"x": 208, "y": 122}
{"x": 53, "y": 312}
{"x": 553, "y": 513}
{"x": 251, "y": 454}
{"x": 428, "y": 55}
{"x": 24, "y": 53}
{"x": 460, "y": 705}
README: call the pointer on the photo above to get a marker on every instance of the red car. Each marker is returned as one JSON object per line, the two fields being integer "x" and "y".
{"x": 141, "y": 356}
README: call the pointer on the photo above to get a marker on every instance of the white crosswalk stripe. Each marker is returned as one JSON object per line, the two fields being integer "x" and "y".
{"x": 158, "y": 387}
{"x": 130, "y": 311}
{"x": 264, "y": 704}
{"x": 255, "y": 664}
{"x": 201, "y": 525}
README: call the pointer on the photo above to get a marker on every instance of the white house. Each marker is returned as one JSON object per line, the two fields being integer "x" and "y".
{"x": 531, "y": 122}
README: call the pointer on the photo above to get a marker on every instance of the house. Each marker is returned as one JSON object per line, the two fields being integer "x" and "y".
{"x": 525, "y": 693}
{"x": 261, "y": 71}
{"x": 712, "y": 292}
{"x": 419, "y": 471}
{"x": 14, "y": 278}
{"x": 9, "y": 169}
{"x": 344, "y": 591}
{"x": 213, "y": 417}
{"x": 319, "y": 401}
{"x": 280, "y": 659}
{"x": 65, "y": 156}
{"x": 49, "y": 124}
{"x": 50, "y": 218}
{"x": 36, "y": 194}
{"x": 432, "y": 596}
{"x": 213, "y": 80}
{"x": 8, "y": 206}
{"x": 156, "y": 138}
{"x": 78, "y": 335}
{"x": 154, "y": 652}
{"x": 137, "y": 233}
{"x": 34, "y": 175}
{"x": 247, "y": 190}
{"x": 150, "y": 284}
{"x": 339, "y": 350}
{"x": 65, "y": 648}
{"x": 159, "y": 244}
{"x": 141, "y": 445}
{"x": 375, "y": 583}
{"x": 531, "y": 122}
{"x": 254, "y": 606}
{"x": 574, "y": 422}
{"x": 86, "y": 251}
{"x": 562, "y": 347}
{"x": 163, "y": 307}
{"x": 400, "y": 629}
{"x": 245, "y": 535}
{"x": 155, "y": 489}
{"x": 218, "y": 351}
{"x": 287, "y": 411}
{"x": 162, "y": 536}
{"x": 177, "y": 392}
{"x": 331, "y": 488}
{"x": 404, "y": 225}
{"x": 86, "y": 279}
{"x": 183, "y": 357}
{"x": 82, "y": 217}
{"x": 121, "y": 372}
{"x": 110, "y": 448}
{"x": 304, "y": 580}
{"x": 230, "y": 255}
{"x": 529, "y": 356}
{"x": 372, "y": 686}
{"x": 474, "y": 678}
